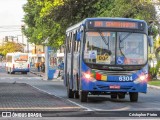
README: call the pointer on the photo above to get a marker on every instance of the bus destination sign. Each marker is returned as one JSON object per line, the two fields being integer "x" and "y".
{"x": 114, "y": 24}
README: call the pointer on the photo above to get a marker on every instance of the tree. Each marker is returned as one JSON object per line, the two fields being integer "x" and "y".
{"x": 11, "y": 47}
{"x": 50, "y": 18}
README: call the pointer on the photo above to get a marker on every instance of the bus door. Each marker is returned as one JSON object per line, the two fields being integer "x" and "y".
{"x": 76, "y": 62}
{"x": 69, "y": 61}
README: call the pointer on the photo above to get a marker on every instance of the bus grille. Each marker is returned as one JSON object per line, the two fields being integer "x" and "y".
{"x": 115, "y": 73}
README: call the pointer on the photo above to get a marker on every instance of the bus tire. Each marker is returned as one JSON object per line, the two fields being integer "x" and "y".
{"x": 12, "y": 72}
{"x": 133, "y": 96}
{"x": 83, "y": 96}
{"x": 76, "y": 94}
{"x": 113, "y": 95}
{"x": 70, "y": 93}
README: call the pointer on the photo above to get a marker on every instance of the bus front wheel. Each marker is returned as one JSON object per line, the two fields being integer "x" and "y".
{"x": 83, "y": 96}
{"x": 76, "y": 94}
{"x": 70, "y": 92}
{"x": 133, "y": 96}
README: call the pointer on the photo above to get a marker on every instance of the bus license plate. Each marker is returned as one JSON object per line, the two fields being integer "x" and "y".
{"x": 114, "y": 87}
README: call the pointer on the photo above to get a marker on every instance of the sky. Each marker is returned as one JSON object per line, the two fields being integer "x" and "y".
{"x": 11, "y": 16}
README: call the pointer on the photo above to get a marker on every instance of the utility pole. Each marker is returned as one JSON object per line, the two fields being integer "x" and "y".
{"x": 22, "y": 29}
{"x": 27, "y": 47}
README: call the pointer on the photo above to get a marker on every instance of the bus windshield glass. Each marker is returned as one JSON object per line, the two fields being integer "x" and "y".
{"x": 115, "y": 48}
{"x": 18, "y": 58}
{"x": 100, "y": 47}
{"x": 132, "y": 48}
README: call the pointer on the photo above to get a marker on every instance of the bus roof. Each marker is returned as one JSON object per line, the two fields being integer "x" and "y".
{"x": 78, "y": 25}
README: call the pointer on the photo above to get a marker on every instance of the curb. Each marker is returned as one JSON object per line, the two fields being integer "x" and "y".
{"x": 152, "y": 86}
{"x": 38, "y": 74}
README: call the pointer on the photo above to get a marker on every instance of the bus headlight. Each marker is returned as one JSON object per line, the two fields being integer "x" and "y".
{"x": 141, "y": 78}
{"x": 88, "y": 76}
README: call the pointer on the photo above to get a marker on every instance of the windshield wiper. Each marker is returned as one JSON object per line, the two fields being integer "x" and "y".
{"x": 121, "y": 40}
{"x": 125, "y": 37}
{"x": 105, "y": 41}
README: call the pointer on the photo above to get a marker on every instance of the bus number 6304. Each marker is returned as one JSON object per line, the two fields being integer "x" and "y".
{"x": 125, "y": 78}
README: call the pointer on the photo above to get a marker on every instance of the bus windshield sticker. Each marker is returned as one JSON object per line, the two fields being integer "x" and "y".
{"x": 93, "y": 54}
{"x": 103, "y": 59}
{"x": 120, "y": 60}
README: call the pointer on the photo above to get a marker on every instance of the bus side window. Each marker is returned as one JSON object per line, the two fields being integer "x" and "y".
{"x": 78, "y": 46}
{"x": 74, "y": 43}
{"x": 69, "y": 44}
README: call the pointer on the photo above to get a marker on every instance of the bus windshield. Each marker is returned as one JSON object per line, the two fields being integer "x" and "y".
{"x": 18, "y": 58}
{"x": 115, "y": 48}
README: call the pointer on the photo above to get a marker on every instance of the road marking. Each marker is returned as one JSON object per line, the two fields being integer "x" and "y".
{"x": 86, "y": 108}
{"x": 118, "y": 109}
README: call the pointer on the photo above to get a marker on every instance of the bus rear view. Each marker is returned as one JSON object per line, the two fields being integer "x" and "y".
{"x": 17, "y": 62}
{"x": 111, "y": 59}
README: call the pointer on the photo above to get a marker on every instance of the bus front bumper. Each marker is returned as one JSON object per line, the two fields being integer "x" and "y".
{"x": 101, "y": 86}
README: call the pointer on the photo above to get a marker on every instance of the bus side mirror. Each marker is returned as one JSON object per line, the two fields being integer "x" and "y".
{"x": 78, "y": 37}
{"x": 150, "y": 41}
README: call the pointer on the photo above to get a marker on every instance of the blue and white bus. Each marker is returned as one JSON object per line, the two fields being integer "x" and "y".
{"x": 106, "y": 56}
{"x": 17, "y": 62}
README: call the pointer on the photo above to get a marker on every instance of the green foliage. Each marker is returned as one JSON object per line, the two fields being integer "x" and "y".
{"x": 155, "y": 70}
{"x": 10, "y": 47}
{"x": 50, "y": 18}
{"x": 155, "y": 82}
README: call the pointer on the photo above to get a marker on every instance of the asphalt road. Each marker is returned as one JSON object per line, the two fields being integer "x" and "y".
{"x": 146, "y": 102}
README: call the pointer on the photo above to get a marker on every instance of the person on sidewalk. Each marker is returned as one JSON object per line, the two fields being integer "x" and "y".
{"x": 42, "y": 67}
{"x": 38, "y": 67}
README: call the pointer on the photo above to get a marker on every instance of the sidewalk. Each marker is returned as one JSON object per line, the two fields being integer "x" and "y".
{"x": 35, "y": 71}
{"x": 41, "y": 74}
